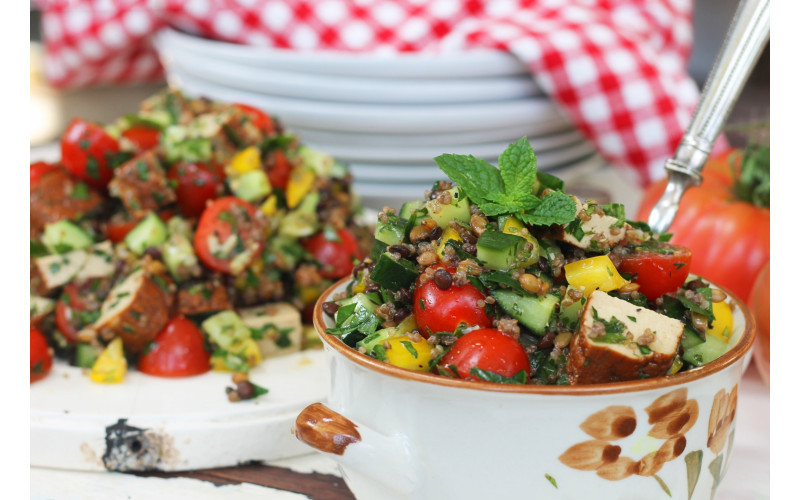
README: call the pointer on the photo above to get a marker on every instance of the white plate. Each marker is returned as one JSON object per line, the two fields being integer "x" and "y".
{"x": 377, "y": 194}
{"x": 460, "y": 64}
{"x": 355, "y": 117}
{"x": 349, "y": 89}
{"x": 547, "y": 161}
{"x": 556, "y": 153}
{"x": 187, "y": 422}
{"x": 505, "y": 135}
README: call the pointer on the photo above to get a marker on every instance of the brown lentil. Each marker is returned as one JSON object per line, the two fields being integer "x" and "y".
{"x": 443, "y": 279}
{"x": 562, "y": 340}
{"x": 330, "y": 308}
{"x": 245, "y": 389}
{"x": 427, "y": 258}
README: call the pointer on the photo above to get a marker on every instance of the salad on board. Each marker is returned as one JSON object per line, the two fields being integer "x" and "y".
{"x": 500, "y": 276}
{"x": 191, "y": 235}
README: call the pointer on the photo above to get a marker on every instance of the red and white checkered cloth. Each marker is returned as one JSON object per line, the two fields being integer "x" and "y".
{"x": 617, "y": 68}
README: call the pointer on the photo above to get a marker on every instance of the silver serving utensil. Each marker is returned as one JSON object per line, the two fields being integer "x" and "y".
{"x": 744, "y": 42}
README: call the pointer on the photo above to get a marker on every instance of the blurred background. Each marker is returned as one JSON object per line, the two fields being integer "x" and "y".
{"x": 51, "y": 109}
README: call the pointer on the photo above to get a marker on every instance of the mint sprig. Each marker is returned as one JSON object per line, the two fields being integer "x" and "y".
{"x": 509, "y": 189}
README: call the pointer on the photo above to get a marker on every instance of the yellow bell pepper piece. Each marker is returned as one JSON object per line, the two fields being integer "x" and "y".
{"x": 309, "y": 294}
{"x": 722, "y": 326}
{"x": 111, "y": 365}
{"x": 246, "y": 349}
{"x": 407, "y": 354}
{"x": 595, "y": 273}
{"x": 515, "y": 226}
{"x": 270, "y": 205}
{"x": 448, "y": 234}
{"x": 300, "y": 182}
{"x": 246, "y": 160}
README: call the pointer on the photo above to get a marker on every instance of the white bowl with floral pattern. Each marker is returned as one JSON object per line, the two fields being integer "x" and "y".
{"x": 402, "y": 434}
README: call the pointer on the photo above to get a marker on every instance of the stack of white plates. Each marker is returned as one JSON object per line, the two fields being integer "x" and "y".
{"x": 386, "y": 115}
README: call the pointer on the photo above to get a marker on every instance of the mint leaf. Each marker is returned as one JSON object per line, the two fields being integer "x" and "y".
{"x": 476, "y": 177}
{"x": 555, "y": 208}
{"x": 518, "y": 168}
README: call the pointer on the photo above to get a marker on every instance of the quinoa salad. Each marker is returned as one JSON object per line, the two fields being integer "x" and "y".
{"x": 498, "y": 275}
{"x": 189, "y": 236}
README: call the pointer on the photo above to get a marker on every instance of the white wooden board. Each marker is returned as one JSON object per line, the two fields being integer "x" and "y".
{"x": 152, "y": 423}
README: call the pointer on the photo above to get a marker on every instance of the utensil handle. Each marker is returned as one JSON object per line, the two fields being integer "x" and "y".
{"x": 744, "y": 42}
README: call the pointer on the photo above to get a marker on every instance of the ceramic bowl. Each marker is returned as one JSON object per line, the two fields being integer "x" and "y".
{"x": 402, "y": 434}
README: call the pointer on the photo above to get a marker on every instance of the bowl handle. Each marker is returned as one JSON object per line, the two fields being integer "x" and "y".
{"x": 357, "y": 446}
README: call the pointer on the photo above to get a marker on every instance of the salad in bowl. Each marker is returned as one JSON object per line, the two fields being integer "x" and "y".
{"x": 507, "y": 339}
{"x": 501, "y": 276}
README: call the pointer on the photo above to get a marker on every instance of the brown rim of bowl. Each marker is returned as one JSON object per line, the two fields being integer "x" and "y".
{"x": 727, "y": 359}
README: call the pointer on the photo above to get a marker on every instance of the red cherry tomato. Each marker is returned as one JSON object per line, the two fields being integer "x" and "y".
{"x": 176, "y": 351}
{"x": 260, "y": 119}
{"x": 121, "y": 224}
{"x": 278, "y": 169}
{"x": 658, "y": 269}
{"x": 759, "y": 305}
{"x": 39, "y": 169}
{"x": 223, "y": 218}
{"x": 41, "y": 359}
{"x": 487, "y": 349}
{"x": 143, "y": 137}
{"x": 68, "y": 313}
{"x": 85, "y": 151}
{"x": 334, "y": 255}
{"x": 196, "y": 184}
{"x": 438, "y": 310}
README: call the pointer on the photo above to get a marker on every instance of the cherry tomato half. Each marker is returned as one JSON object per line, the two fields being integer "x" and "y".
{"x": 41, "y": 359}
{"x": 225, "y": 218}
{"x": 334, "y": 255}
{"x": 68, "y": 313}
{"x": 39, "y": 169}
{"x": 438, "y": 310}
{"x": 278, "y": 169}
{"x": 176, "y": 351}
{"x": 121, "y": 224}
{"x": 85, "y": 149}
{"x": 196, "y": 184}
{"x": 488, "y": 349}
{"x": 260, "y": 119}
{"x": 143, "y": 137}
{"x": 658, "y": 269}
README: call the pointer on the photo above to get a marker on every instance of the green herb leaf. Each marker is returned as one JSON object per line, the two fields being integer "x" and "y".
{"x": 476, "y": 177}
{"x": 521, "y": 377}
{"x": 518, "y": 169}
{"x": 555, "y": 208}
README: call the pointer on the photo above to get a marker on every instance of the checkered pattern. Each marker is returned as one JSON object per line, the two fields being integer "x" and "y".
{"x": 618, "y": 68}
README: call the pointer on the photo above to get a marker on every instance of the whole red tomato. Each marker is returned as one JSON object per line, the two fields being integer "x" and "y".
{"x": 658, "y": 268}
{"x": 41, "y": 359}
{"x": 196, "y": 183}
{"x": 724, "y": 221}
{"x": 438, "y": 310}
{"x": 759, "y": 305}
{"x": 176, "y": 351}
{"x": 488, "y": 349}
{"x": 335, "y": 254}
{"x": 85, "y": 152}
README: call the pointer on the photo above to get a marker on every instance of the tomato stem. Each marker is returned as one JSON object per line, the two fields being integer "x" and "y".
{"x": 751, "y": 175}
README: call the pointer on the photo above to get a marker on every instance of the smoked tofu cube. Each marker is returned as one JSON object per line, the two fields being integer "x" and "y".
{"x": 592, "y": 229}
{"x": 136, "y": 309}
{"x": 619, "y": 341}
{"x": 53, "y": 271}
{"x": 141, "y": 184}
{"x": 278, "y": 325}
